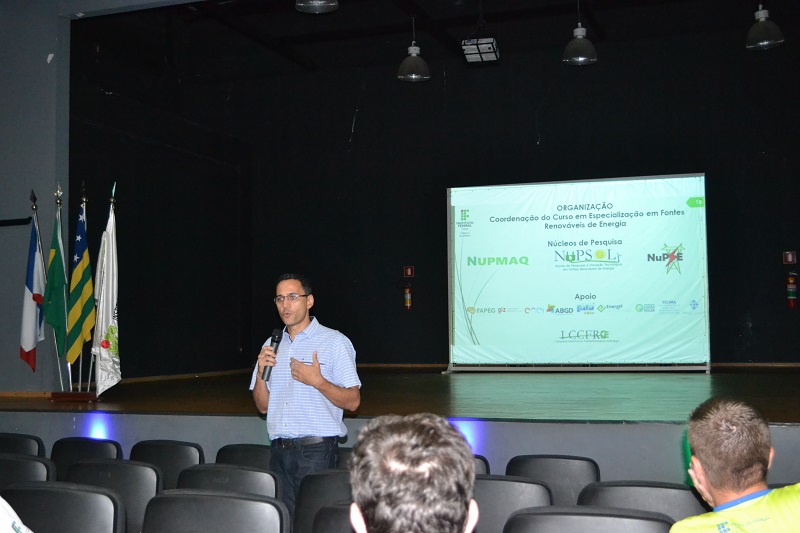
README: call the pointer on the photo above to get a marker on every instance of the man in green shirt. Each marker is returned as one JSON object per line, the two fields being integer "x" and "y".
{"x": 731, "y": 453}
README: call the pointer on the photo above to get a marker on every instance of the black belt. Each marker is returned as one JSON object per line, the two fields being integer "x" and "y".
{"x": 301, "y": 441}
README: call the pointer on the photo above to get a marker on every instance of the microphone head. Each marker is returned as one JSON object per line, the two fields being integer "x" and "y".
{"x": 277, "y": 335}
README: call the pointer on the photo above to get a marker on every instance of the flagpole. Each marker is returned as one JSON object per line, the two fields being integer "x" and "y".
{"x": 58, "y": 194}
{"x": 35, "y": 210}
{"x": 80, "y": 357}
{"x": 91, "y": 361}
{"x": 89, "y": 375}
{"x": 111, "y": 203}
{"x": 96, "y": 301}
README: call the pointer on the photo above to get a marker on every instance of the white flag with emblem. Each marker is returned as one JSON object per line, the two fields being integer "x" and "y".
{"x": 106, "y": 334}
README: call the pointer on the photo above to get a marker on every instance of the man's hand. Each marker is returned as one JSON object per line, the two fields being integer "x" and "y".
{"x": 348, "y": 398}
{"x": 266, "y": 357}
{"x": 309, "y": 374}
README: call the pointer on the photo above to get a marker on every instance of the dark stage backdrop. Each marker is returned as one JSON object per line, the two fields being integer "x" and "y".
{"x": 349, "y": 176}
{"x": 183, "y": 237}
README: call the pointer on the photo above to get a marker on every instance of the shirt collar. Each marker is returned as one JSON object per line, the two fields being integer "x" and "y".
{"x": 308, "y": 331}
{"x": 745, "y": 498}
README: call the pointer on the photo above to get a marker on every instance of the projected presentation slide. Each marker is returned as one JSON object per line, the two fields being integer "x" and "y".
{"x": 601, "y": 272}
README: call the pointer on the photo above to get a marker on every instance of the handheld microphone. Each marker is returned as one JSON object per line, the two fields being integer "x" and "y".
{"x": 277, "y": 335}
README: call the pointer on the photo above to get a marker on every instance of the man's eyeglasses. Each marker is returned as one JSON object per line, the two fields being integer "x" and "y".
{"x": 292, "y": 297}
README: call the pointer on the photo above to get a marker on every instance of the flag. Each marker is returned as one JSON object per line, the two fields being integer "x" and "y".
{"x": 105, "y": 346}
{"x": 32, "y": 327}
{"x": 80, "y": 319}
{"x": 55, "y": 293}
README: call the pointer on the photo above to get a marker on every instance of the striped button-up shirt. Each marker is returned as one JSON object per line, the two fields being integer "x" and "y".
{"x": 299, "y": 410}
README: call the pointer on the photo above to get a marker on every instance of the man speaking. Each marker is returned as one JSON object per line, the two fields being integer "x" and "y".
{"x": 313, "y": 379}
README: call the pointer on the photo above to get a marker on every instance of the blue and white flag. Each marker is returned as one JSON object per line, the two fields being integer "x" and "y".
{"x": 32, "y": 318}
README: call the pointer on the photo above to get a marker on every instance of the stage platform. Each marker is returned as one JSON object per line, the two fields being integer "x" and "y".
{"x": 633, "y": 424}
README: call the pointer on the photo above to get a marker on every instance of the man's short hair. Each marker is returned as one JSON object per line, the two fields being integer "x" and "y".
{"x": 412, "y": 473}
{"x": 731, "y": 440}
{"x": 304, "y": 281}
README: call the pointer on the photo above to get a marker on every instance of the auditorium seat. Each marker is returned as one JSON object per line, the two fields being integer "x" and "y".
{"x": 344, "y": 458}
{"x": 243, "y": 454}
{"x": 171, "y": 456}
{"x": 318, "y": 490}
{"x": 135, "y": 481}
{"x": 582, "y": 519}
{"x": 566, "y": 475}
{"x": 70, "y": 450}
{"x": 499, "y": 496}
{"x": 672, "y": 499}
{"x": 333, "y": 518}
{"x": 195, "y": 510}
{"x": 232, "y": 478}
{"x": 61, "y": 507}
{"x": 17, "y": 468}
{"x": 482, "y": 465}
{"x": 22, "y": 443}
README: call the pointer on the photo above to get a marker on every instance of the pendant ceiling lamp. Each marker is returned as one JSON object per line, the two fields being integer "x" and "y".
{"x": 580, "y": 50}
{"x": 316, "y": 6}
{"x": 413, "y": 68}
{"x": 764, "y": 34}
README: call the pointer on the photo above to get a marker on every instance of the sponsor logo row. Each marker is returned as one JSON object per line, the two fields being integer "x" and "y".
{"x": 665, "y": 306}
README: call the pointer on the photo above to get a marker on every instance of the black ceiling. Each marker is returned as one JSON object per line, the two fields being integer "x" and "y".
{"x": 233, "y": 40}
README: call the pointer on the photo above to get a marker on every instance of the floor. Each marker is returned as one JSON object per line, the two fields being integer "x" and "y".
{"x": 518, "y": 396}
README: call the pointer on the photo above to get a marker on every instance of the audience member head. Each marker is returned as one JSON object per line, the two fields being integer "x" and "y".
{"x": 412, "y": 474}
{"x": 731, "y": 441}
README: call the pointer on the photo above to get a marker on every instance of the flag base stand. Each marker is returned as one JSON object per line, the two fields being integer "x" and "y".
{"x": 87, "y": 397}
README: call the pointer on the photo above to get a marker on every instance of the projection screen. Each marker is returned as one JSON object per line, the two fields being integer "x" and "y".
{"x": 598, "y": 274}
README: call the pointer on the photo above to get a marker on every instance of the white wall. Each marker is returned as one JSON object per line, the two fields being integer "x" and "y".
{"x": 34, "y": 154}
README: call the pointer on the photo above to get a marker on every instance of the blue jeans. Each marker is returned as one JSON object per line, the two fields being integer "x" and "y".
{"x": 293, "y": 464}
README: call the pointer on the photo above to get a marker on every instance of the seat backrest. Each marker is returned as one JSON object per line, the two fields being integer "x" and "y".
{"x": 344, "y": 458}
{"x": 672, "y": 499}
{"x": 22, "y": 443}
{"x": 16, "y": 468}
{"x": 70, "y": 450}
{"x": 233, "y": 478}
{"x": 566, "y": 475}
{"x": 135, "y": 481}
{"x": 579, "y": 519}
{"x": 255, "y": 455}
{"x": 499, "y": 496}
{"x": 171, "y": 456}
{"x": 333, "y": 519}
{"x": 194, "y": 510}
{"x": 318, "y": 490}
{"x": 482, "y": 465}
{"x": 57, "y": 506}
